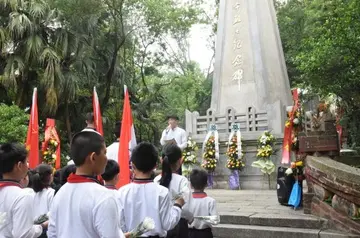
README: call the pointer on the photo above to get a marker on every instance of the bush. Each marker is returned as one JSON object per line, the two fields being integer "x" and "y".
{"x": 13, "y": 124}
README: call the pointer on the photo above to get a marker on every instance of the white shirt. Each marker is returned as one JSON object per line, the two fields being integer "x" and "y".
{"x": 205, "y": 206}
{"x": 180, "y": 184}
{"x": 42, "y": 202}
{"x": 138, "y": 201}
{"x": 112, "y": 151}
{"x": 18, "y": 206}
{"x": 178, "y": 134}
{"x": 84, "y": 210}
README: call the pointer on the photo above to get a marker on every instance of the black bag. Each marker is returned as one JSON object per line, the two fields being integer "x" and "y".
{"x": 284, "y": 186}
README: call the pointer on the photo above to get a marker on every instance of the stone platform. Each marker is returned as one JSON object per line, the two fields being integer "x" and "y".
{"x": 248, "y": 213}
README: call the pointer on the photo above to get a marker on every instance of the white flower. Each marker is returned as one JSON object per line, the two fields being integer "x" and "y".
{"x": 149, "y": 223}
{"x": 188, "y": 153}
{"x": 289, "y": 171}
{"x": 145, "y": 226}
{"x": 2, "y": 218}
{"x": 55, "y": 143}
{"x": 296, "y": 121}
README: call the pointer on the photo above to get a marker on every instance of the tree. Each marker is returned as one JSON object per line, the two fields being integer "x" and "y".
{"x": 322, "y": 46}
{"x": 13, "y": 124}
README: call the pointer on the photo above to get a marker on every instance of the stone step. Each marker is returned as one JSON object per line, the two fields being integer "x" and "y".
{"x": 274, "y": 220}
{"x": 253, "y": 231}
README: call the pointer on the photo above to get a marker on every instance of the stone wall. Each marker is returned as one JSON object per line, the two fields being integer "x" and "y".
{"x": 334, "y": 192}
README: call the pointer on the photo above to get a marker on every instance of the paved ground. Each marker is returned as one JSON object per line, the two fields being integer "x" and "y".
{"x": 249, "y": 201}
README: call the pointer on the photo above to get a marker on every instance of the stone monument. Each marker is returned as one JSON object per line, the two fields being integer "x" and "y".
{"x": 250, "y": 84}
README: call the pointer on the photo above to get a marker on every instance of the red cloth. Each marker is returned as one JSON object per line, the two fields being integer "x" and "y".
{"x": 125, "y": 141}
{"x": 97, "y": 113}
{"x": 51, "y": 133}
{"x": 74, "y": 178}
{"x": 32, "y": 139}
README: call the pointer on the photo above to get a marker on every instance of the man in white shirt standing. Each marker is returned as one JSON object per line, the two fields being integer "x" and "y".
{"x": 112, "y": 151}
{"x": 174, "y": 134}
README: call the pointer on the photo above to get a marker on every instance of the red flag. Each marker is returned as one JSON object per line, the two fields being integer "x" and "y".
{"x": 51, "y": 133}
{"x": 288, "y": 129}
{"x": 32, "y": 139}
{"x": 97, "y": 113}
{"x": 127, "y": 141}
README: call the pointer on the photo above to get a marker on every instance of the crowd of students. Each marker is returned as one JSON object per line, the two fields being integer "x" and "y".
{"x": 79, "y": 206}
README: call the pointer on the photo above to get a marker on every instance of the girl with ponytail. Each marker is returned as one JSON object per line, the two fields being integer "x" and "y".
{"x": 41, "y": 180}
{"x": 171, "y": 160}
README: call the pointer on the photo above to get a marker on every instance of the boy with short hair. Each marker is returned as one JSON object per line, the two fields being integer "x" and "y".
{"x": 83, "y": 208}
{"x": 111, "y": 174}
{"x": 144, "y": 198}
{"x": 201, "y": 205}
{"x": 14, "y": 201}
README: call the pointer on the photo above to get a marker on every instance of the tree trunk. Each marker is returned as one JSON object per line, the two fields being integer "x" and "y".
{"x": 67, "y": 121}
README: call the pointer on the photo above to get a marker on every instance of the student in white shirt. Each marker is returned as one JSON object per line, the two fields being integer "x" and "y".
{"x": 144, "y": 198}
{"x": 14, "y": 201}
{"x": 25, "y": 183}
{"x": 111, "y": 174}
{"x": 202, "y": 205}
{"x": 177, "y": 184}
{"x": 83, "y": 208}
{"x": 41, "y": 180}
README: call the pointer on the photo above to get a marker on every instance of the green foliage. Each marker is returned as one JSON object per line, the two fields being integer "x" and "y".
{"x": 66, "y": 47}
{"x": 322, "y": 44}
{"x": 13, "y": 124}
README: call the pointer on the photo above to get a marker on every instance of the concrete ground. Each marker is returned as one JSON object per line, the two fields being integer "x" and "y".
{"x": 250, "y": 201}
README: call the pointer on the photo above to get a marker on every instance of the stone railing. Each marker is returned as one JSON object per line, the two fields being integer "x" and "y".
{"x": 334, "y": 193}
{"x": 251, "y": 121}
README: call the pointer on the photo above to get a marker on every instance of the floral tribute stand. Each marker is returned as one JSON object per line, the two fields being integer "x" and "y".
{"x": 265, "y": 149}
{"x": 189, "y": 157}
{"x": 211, "y": 153}
{"x": 235, "y": 156}
{"x": 51, "y": 145}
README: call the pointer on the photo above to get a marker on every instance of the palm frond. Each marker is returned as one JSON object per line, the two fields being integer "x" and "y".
{"x": 38, "y": 9}
{"x": 34, "y": 45}
{"x": 51, "y": 59}
{"x": 19, "y": 24}
{"x": 13, "y": 4}
{"x": 3, "y": 38}
{"x": 14, "y": 67}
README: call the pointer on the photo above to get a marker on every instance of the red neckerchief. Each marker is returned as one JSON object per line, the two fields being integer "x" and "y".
{"x": 7, "y": 183}
{"x": 199, "y": 195}
{"x": 74, "y": 178}
{"x": 111, "y": 187}
{"x": 142, "y": 181}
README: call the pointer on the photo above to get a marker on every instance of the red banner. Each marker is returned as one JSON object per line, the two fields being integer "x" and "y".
{"x": 97, "y": 113}
{"x": 289, "y": 129}
{"x": 51, "y": 136}
{"x": 32, "y": 139}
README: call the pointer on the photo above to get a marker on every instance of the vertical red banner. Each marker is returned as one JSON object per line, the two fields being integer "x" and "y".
{"x": 32, "y": 139}
{"x": 286, "y": 148}
{"x": 97, "y": 113}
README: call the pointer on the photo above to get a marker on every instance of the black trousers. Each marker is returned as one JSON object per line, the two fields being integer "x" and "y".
{"x": 204, "y": 233}
{"x": 181, "y": 230}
